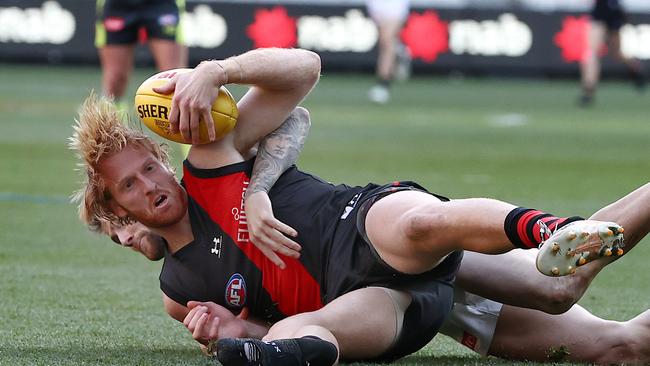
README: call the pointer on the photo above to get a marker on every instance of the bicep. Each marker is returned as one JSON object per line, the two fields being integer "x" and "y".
{"x": 260, "y": 113}
{"x": 174, "y": 309}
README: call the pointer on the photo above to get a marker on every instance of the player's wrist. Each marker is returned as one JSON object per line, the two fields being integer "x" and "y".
{"x": 215, "y": 71}
{"x": 233, "y": 69}
{"x": 256, "y": 189}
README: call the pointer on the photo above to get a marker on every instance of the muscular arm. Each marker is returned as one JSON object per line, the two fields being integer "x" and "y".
{"x": 228, "y": 325}
{"x": 279, "y": 79}
{"x": 276, "y": 152}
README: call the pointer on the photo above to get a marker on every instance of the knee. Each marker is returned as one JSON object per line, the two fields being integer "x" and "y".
{"x": 559, "y": 297}
{"x": 279, "y": 330}
{"x": 289, "y": 327}
{"x": 416, "y": 224}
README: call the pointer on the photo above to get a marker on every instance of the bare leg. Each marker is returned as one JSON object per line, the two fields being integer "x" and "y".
{"x": 117, "y": 63}
{"x": 168, "y": 54}
{"x": 347, "y": 323}
{"x": 576, "y": 336}
{"x": 633, "y": 213}
{"x": 412, "y": 231}
{"x": 511, "y": 278}
{"x": 388, "y": 38}
{"x": 389, "y": 23}
{"x": 590, "y": 65}
{"x": 632, "y": 64}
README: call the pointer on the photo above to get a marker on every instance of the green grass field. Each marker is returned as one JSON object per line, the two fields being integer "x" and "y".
{"x": 70, "y": 297}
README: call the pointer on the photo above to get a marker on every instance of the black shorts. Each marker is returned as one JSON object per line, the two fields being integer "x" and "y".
{"x": 432, "y": 291}
{"x": 336, "y": 254}
{"x": 120, "y": 21}
{"x": 610, "y": 13}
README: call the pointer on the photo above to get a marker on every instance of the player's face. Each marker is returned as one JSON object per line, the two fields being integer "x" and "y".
{"x": 137, "y": 237}
{"x": 143, "y": 188}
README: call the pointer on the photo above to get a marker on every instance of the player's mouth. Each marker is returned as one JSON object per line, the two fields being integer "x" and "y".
{"x": 160, "y": 201}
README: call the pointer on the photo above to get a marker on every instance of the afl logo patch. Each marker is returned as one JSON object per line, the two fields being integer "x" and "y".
{"x": 236, "y": 291}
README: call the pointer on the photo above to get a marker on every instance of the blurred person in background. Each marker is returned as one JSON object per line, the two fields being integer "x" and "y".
{"x": 121, "y": 24}
{"x": 607, "y": 18}
{"x": 394, "y": 59}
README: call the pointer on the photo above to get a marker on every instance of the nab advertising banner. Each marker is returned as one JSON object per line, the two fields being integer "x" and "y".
{"x": 62, "y": 31}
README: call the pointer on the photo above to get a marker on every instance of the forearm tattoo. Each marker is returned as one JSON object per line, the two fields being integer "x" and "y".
{"x": 278, "y": 151}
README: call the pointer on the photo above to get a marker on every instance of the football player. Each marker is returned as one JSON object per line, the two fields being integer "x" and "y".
{"x": 395, "y": 246}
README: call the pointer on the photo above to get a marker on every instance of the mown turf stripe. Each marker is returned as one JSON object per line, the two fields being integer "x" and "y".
{"x": 32, "y": 198}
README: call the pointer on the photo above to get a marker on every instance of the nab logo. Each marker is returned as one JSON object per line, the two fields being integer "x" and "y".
{"x": 236, "y": 291}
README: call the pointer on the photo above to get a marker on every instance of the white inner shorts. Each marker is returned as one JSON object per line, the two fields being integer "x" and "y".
{"x": 472, "y": 321}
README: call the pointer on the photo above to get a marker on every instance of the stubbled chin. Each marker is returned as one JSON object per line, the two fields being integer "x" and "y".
{"x": 173, "y": 212}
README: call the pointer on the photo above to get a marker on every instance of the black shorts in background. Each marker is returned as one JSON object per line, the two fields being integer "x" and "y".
{"x": 120, "y": 21}
{"x": 609, "y": 12}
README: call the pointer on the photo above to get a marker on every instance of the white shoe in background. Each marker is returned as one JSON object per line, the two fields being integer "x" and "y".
{"x": 379, "y": 94}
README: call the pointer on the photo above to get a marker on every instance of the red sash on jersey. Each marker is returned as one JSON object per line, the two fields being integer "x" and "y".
{"x": 293, "y": 289}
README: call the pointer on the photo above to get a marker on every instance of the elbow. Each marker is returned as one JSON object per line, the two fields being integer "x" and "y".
{"x": 312, "y": 65}
{"x": 302, "y": 115}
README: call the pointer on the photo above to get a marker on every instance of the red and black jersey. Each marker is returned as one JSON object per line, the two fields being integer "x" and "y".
{"x": 222, "y": 265}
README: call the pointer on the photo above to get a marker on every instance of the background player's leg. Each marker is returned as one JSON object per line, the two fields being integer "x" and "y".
{"x": 168, "y": 54}
{"x": 634, "y": 66}
{"x": 590, "y": 64}
{"x": 576, "y": 335}
{"x": 117, "y": 63}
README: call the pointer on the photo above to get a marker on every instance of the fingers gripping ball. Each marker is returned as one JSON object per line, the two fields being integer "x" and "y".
{"x": 154, "y": 109}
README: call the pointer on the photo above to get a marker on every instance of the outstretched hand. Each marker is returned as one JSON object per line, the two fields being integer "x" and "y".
{"x": 208, "y": 321}
{"x": 194, "y": 94}
{"x": 266, "y": 232}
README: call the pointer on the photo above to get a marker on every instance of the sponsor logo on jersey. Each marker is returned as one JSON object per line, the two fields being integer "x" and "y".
{"x": 236, "y": 291}
{"x": 216, "y": 250}
{"x": 350, "y": 206}
{"x": 239, "y": 215}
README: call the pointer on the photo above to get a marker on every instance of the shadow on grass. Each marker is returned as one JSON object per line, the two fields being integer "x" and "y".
{"x": 470, "y": 360}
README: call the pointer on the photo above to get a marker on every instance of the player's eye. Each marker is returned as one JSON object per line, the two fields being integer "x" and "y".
{"x": 116, "y": 240}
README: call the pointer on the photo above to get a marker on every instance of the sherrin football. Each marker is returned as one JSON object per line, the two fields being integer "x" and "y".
{"x": 153, "y": 109}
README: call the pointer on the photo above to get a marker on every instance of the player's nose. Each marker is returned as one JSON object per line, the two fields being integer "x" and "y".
{"x": 148, "y": 184}
{"x": 125, "y": 237}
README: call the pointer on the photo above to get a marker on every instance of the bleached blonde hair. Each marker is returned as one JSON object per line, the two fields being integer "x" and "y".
{"x": 98, "y": 133}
